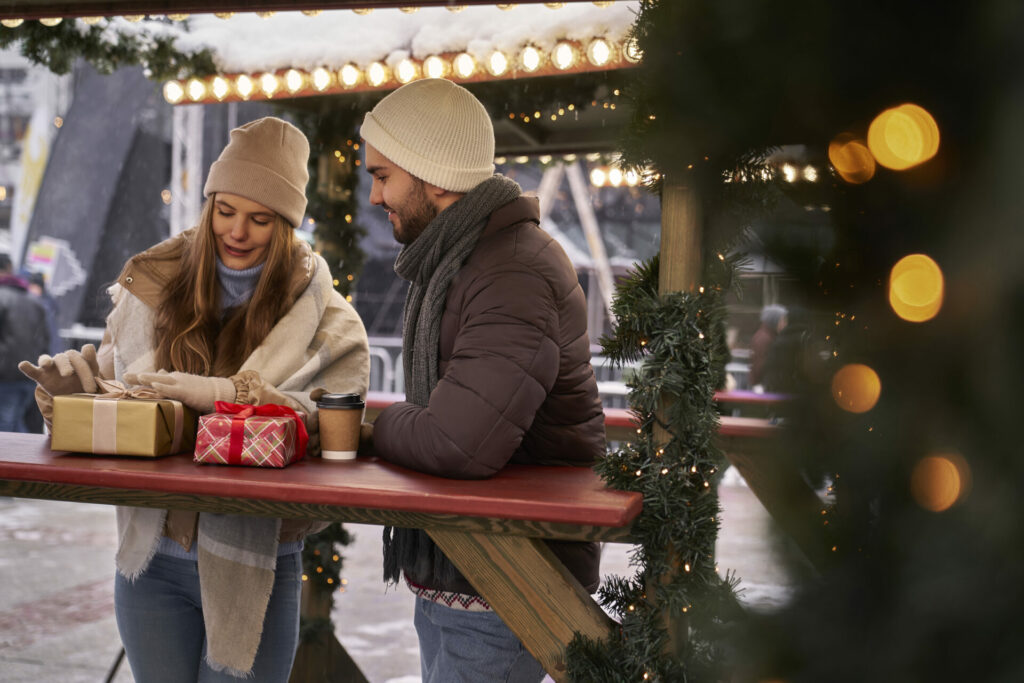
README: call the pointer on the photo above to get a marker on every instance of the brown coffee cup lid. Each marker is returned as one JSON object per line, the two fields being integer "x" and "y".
{"x": 342, "y": 401}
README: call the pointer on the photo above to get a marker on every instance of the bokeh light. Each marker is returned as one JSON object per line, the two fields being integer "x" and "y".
{"x": 852, "y": 159}
{"x": 903, "y": 137}
{"x": 940, "y": 481}
{"x": 916, "y": 288}
{"x": 856, "y": 388}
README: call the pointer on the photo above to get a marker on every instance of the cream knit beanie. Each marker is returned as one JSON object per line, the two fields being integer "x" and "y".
{"x": 435, "y": 130}
{"x": 265, "y": 161}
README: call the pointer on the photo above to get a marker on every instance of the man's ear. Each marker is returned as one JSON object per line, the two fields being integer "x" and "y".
{"x": 434, "y": 191}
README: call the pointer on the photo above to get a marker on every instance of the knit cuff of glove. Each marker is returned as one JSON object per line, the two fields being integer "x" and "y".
{"x": 247, "y": 386}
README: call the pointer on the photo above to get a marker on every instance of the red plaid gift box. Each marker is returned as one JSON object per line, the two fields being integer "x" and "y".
{"x": 258, "y": 436}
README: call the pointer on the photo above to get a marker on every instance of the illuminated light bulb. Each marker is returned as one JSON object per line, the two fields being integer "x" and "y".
{"x": 12, "y": 23}
{"x": 554, "y": 5}
{"x": 165, "y": 196}
{"x": 789, "y": 173}
{"x": 569, "y": 158}
{"x": 599, "y": 52}
{"x": 810, "y": 174}
{"x": 51, "y": 21}
{"x": 598, "y": 177}
{"x": 615, "y": 177}
{"x": 604, "y": 3}
{"x": 321, "y": 78}
{"x": 177, "y": 16}
{"x": 58, "y": 122}
{"x": 293, "y": 80}
{"x": 364, "y": 11}
{"x": 851, "y": 159}
{"x": 506, "y": 5}
{"x": 220, "y": 87}
{"x": 544, "y": 158}
{"x": 903, "y": 137}
{"x": 498, "y": 161}
{"x": 134, "y": 18}
{"x": 91, "y": 21}
{"x": 456, "y": 8}
{"x": 376, "y": 74}
{"x": 497, "y": 63}
{"x": 564, "y": 55}
{"x": 173, "y": 92}
{"x": 632, "y": 52}
{"x": 265, "y": 15}
{"x": 856, "y": 388}
{"x": 593, "y": 156}
{"x": 349, "y": 75}
{"x": 464, "y": 65}
{"x": 269, "y": 84}
{"x": 224, "y": 15}
{"x": 409, "y": 10}
{"x": 312, "y": 12}
{"x": 632, "y": 178}
{"x": 530, "y": 58}
{"x": 196, "y": 89}
{"x": 916, "y": 288}
{"x": 406, "y": 71}
{"x": 522, "y": 159}
{"x": 939, "y": 481}
{"x": 435, "y": 67}
{"x": 244, "y": 86}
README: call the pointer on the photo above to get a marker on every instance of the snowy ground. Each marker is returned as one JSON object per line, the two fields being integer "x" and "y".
{"x": 56, "y": 589}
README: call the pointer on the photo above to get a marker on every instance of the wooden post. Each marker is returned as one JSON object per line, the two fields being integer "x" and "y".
{"x": 322, "y": 659}
{"x": 679, "y": 270}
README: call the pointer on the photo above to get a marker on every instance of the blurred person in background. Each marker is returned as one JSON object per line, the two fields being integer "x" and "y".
{"x": 23, "y": 334}
{"x": 37, "y": 288}
{"x": 773, "y": 320}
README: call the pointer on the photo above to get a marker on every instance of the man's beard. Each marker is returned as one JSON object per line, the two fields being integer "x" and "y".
{"x": 414, "y": 216}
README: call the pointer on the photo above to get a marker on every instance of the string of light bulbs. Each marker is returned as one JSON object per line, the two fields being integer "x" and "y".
{"x": 567, "y": 56}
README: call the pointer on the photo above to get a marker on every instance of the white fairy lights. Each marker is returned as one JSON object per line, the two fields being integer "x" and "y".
{"x": 566, "y": 56}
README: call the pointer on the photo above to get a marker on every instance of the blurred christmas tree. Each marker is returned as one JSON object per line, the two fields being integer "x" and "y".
{"x": 916, "y": 108}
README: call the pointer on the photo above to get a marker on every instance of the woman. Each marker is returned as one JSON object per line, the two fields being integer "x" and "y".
{"x": 237, "y": 309}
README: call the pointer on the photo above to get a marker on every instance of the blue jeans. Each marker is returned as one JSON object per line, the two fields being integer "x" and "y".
{"x": 15, "y": 398}
{"x": 458, "y": 646}
{"x": 160, "y": 620}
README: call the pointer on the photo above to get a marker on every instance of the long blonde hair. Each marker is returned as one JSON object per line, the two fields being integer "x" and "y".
{"x": 191, "y": 335}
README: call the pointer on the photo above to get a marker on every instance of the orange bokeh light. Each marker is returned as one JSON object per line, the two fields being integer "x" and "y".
{"x": 916, "y": 288}
{"x": 856, "y": 388}
{"x": 940, "y": 481}
{"x": 852, "y": 159}
{"x": 903, "y": 137}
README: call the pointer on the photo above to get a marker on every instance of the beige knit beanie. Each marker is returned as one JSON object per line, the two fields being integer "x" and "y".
{"x": 435, "y": 130}
{"x": 265, "y": 161}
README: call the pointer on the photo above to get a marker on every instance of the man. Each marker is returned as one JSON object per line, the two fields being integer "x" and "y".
{"x": 495, "y": 351}
{"x": 23, "y": 334}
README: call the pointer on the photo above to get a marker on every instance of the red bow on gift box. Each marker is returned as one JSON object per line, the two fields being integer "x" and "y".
{"x": 240, "y": 412}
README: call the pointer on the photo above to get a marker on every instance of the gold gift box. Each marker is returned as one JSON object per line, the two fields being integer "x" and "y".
{"x": 84, "y": 423}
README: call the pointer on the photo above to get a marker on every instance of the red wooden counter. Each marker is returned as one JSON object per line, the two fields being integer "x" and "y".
{"x": 490, "y": 529}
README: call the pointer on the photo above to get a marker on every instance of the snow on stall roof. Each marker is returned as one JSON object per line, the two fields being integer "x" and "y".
{"x": 247, "y": 43}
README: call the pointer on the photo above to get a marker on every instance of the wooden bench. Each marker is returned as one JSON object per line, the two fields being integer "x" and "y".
{"x": 490, "y": 529}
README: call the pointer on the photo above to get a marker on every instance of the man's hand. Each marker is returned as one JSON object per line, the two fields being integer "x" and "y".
{"x": 68, "y": 372}
{"x": 365, "y": 439}
{"x": 195, "y": 391}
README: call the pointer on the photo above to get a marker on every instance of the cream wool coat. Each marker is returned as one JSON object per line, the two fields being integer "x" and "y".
{"x": 319, "y": 345}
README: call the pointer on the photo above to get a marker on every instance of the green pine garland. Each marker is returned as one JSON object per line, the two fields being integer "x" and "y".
{"x": 106, "y": 47}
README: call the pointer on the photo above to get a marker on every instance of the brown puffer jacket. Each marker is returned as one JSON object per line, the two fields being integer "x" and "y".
{"x": 515, "y": 380}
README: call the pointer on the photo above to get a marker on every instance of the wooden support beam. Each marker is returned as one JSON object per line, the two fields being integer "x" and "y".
{"x": 530, "y": 589}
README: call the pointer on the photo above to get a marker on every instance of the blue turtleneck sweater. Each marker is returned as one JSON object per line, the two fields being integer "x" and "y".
{"x": 236, "y": 286}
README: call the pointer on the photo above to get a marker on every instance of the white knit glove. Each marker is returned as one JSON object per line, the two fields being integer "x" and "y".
{"x": 195, "y": 391}
{"x": 68, "y": 372}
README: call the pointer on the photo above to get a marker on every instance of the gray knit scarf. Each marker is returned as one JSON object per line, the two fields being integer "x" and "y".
{"x": 429, "y": 264}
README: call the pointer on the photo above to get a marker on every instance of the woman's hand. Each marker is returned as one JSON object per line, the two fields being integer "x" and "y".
{"x": 195, "y": 391}
{"x": 68, "y": 372}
